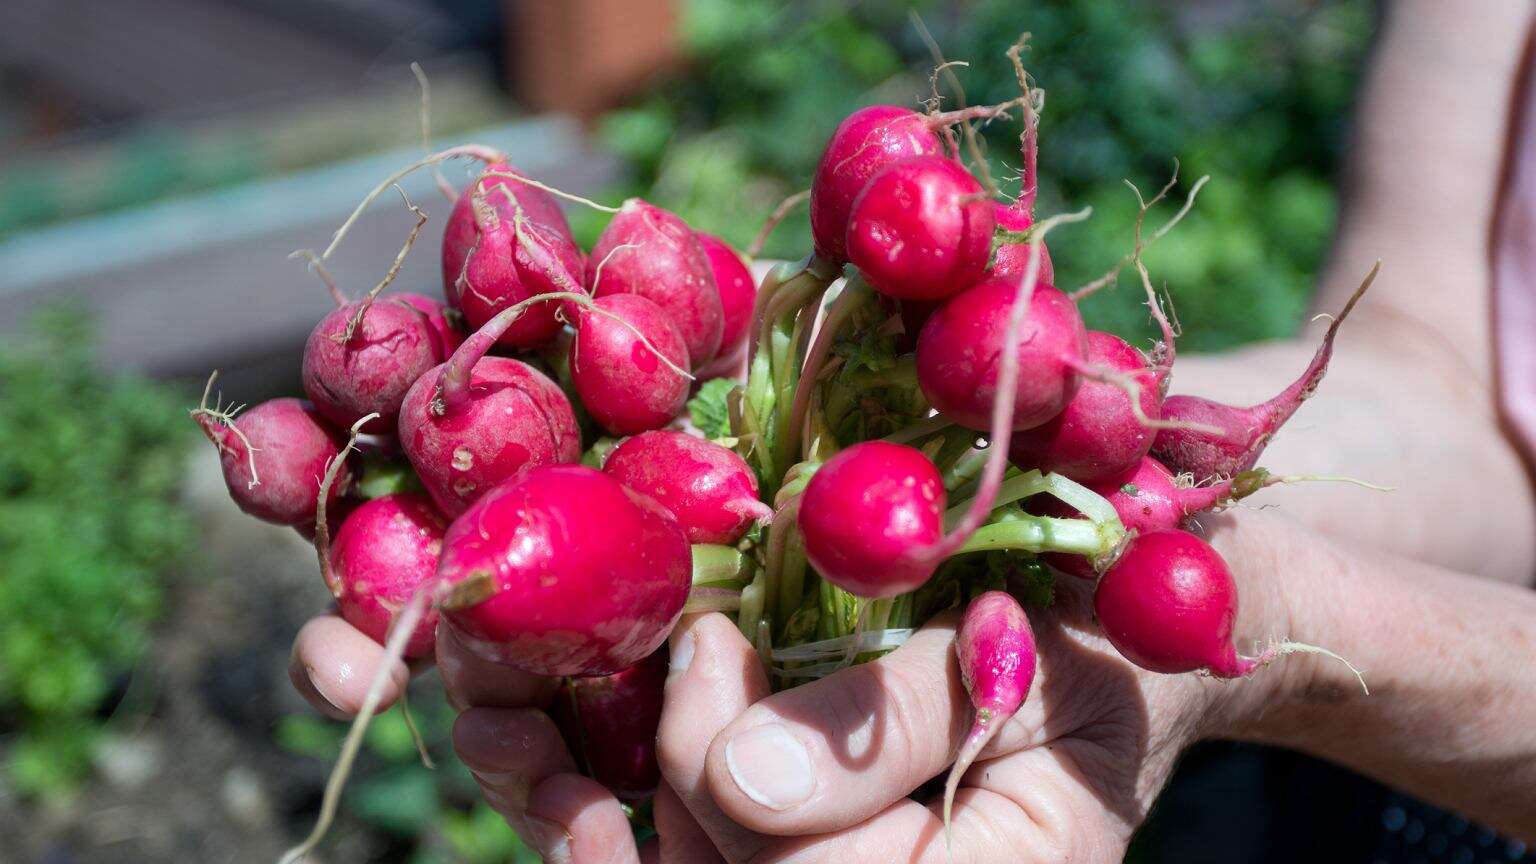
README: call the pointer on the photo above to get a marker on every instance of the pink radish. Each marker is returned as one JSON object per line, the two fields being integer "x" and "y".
{"x": 959, "y": 348}
{"x": 622, "y": 382}
{"x": 996, "y": 649}
{"x": 609, "y": 722}
{"x": 273, "y": 457}
{"x": 474, "y": 421}
{"x": 738, "y": 295}
{"x": 921, "y": 229}
{"x": 1010, "y": 258}
{"x": 1097, "y": 435}
{"x": 513, "y": 257}
{"x": 865, "y": 514}
{"x": 461, "y": 232}
{"x": 392, "y": 343}
{"x": 711, "y": 490}
{"x": 649, "y": 251}
{"x": 386, "y": 549}
{"x": 1168, "y": 604}
{"x": 865, "y": 142}
{"x": 585, "y": 576}
{"x": 442, "y": 321}
{"x": 1244, "y": 432}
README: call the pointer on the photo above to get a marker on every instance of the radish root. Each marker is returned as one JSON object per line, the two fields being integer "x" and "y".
{"x": 226, "y": 417}
{"x": 426, "y": 133}
{"x": 394, "y": 269}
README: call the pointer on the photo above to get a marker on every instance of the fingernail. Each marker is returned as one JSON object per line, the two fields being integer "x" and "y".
{"x": 682, "y": 654}
{"x": 770, "y": 766}
{"x": 315, "y": 682}
{"x": 551, "y": 839}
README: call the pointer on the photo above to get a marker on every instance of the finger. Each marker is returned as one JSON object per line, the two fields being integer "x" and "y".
{"x": 1031, "y": 806}
{"x": 509, "y": 751}
{"x": 715, "y": 675}
{"x": 472, "y": 680}
{"x": 332, "y": 664}
{"x": 574, "y": 820}
{"x": 682, "y": 841}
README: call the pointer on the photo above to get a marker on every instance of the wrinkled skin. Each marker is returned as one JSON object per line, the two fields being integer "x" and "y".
{"x": 509, "y": 262}
{"x": 515, "y": 418}
{"x": 440, "y": 318}
{"x": 589, "y": 576}
{"x": 621, "y": 381}
{"x": 386, "y": 549}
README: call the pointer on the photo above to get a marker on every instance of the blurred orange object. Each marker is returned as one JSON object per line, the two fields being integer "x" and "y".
{"x": 583, "y": 56}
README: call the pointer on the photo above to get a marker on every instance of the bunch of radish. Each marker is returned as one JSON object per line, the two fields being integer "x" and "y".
{"x": 924, "y": 421}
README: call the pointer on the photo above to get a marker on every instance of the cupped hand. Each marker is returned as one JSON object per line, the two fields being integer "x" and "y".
{"x": 502, "y": 735}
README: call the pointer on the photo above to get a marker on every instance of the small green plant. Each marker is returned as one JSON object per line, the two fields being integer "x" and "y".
{"x": 90, "y": 526}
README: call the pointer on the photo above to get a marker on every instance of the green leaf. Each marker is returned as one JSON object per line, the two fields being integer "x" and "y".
{"x": 709, "y": 410}
{"x": 403, "y": 801}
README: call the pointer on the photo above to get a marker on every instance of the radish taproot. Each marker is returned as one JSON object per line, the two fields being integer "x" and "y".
{"x": 996, "y": 650}
{"x": 709, "y": 488}
{"x": 1097, "y": 435}
{"x": 649, "y": 251}
{"x": 1169, "y": 604}
{"x": 921, "y": 229}
{"x": 585, "y": 576}
{"x": 959, "y": 349}
{"x": 609, "y": 723}
{"x": 273, "y": 457}
{"x": 1239, "y": 435}
{"x": 615, "y": 369}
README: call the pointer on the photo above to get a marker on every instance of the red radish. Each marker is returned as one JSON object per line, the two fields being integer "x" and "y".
{"x": 587, "y": 576}
{"x": 622, "y": 382}
{"x": 362, "y": 357}
{"x": 273, "y": 457}
{"x": 386, "y": 549}
{"x": 514, "y": 257}
{"x": 1097, "y": 435}
{"x": 609, "y": 722}
{"x": 711, "y": 490}
{"x": 868, "y": 513}
{"x": 865, "y": 142}
{"x": 449, "y": 333}
{"x": 996, "y": 649}
{"x": 1245, "y": 432}
{"x": 649, "y": 251}
{"x": 738, "y": 294}
{"x": 1168, "y": 604}
{"x": 921, "y": 229}
{"x": 959, "y": 349}
{"x": 1010, "y": 259}
{"x": 466, "y": 433}
{"x": 461, "y": 233}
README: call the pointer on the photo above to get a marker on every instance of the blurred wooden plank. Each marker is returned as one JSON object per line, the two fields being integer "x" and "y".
{"x": 582, "y": 56}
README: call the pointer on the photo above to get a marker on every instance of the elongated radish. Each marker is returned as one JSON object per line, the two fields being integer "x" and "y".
{"x": 711, "y": 490}
{"x": 959, "y": 349}
{"x": 1244, "y": 432}
{"x": 921, "y": 229}
{"x": 615, "y": 369}
{"x": 585, "y": 575}
{"x": 273, "y": 457}
{"x": 609, "y": 723}
{"x": 1168, "y": 604}
{"x": 996, "y": 650}
{"x": 1097, "y": 435}
{"x": 649, "y": 251}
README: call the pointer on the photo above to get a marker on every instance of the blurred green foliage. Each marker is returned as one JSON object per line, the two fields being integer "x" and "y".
{"x": 432, "y": 816}
{"x": 90, "y": 526}
{"x": 1256, "y": 94}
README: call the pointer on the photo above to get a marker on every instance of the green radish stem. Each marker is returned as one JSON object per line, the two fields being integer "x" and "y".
{"x": 755, "y": 248}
